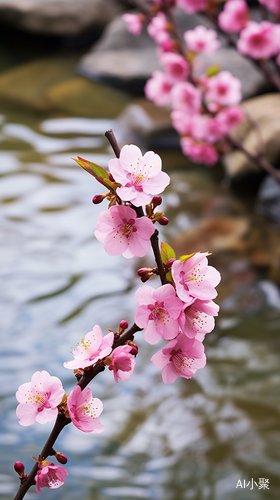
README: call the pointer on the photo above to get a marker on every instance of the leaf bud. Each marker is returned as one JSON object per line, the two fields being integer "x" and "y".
{"x": 62, "y": 459}
{"x": 164, "y": 221}
{"x": 156, "y": 201}
{"x": 19, "y": 468}
{"x": 98, "y": 198}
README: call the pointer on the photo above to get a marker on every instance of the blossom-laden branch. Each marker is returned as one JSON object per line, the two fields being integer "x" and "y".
{"x": 205, "y": 107}
{"x": 180, "y": 311}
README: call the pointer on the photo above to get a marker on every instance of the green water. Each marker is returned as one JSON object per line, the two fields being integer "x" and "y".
{"x": 196, "y": 439}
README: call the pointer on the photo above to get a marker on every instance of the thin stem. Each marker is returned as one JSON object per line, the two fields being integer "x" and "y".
{"x": 113, "y": 141}
{"x": 158, "y": 259}
{"x": 259, "y": 159}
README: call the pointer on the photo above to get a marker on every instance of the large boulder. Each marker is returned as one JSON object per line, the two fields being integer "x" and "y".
{"x": 259, "y": 132}
{"x": 58, "y": 17}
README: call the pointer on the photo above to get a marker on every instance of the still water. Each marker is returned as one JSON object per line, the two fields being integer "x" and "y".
{"x": 195, "y": 439}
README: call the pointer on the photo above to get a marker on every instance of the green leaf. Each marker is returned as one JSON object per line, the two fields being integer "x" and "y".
{"x": 100, "y": 174}
{"x": 213, "y": 70}
{"x": 167, "y": 252}
{"x": 185, "y": 257}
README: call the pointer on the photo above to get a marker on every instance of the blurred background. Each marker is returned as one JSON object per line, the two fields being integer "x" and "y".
{"x": 68, "y": 72}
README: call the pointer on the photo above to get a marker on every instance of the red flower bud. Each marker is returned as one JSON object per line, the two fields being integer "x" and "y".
{"x": 111, "y": 177}
{"x": 156, "y": 201}
{"x": 123, "y": 325}
{"x": 62, "y": 459}
{"x": 19, "y": 468}
{"x": 164, "y": 221}
{"x": 98, "y": 198}
{"x": 144, "y": 274}
{"x": 170, "y": 262}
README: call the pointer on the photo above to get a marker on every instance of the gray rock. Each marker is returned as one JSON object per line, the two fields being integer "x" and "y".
{"x": 264, "y": 112}
{"x": 121, "y": 59}
{"x": 58, "y": 17}
{"x": 268, "y": 201}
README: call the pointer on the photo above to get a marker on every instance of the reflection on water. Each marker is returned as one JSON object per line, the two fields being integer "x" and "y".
{"x": 192, "y": 440}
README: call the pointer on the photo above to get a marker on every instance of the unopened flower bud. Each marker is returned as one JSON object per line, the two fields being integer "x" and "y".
{"x": 19, "y": 468}
{"x": 144, "y": 274}
{"x": 134, "y": 347}
{"x": 111, "y": 177}
{"x": 62, "y": 459}
{"x": 156, "y": 201}
{"x": 98, "y": 198}
{"x": 164, "y": 221}
{"x": 123, "y": 326}
{"x": 170, "y": 262}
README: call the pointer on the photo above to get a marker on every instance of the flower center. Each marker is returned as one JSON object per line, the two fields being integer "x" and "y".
{"x": 128, "y": 228}
{"x": 180, "y": 360}
{"x": 89, "y": 410}
{"x": 158, "y": 312}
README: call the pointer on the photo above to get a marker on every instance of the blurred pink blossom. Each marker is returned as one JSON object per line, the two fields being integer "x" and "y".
{"x": 39, "y": 399}
{"x": 229, "y": 118}
{"x": 202, "y": 40}
{"x": 273, "y": 5}
{"x": 223, "y": 89}
{"x": 133, "y": 23}
{"x": 199, "y": 152}
{"x": 235, "y": 16}
{"x": 140, "y": 176}
{"x": 187, "y": 97}
{"x": 84, "y": 410}
{"x": 175, "y": 66}
{"x": 123, "y": 363}
{"x": 157, "y": 29}
{"x": 158, "y": 88}
{"x": 258, "y": 40}
{"x": 157, "y": 312}
{"x": 90, "y": 349}
{"x": 122, "y": 233}
{"x": 194, "y": 278}
{"x": 50, "y": 476}
{"x": 191, "y": 6}
{"x": 180, "y": 357}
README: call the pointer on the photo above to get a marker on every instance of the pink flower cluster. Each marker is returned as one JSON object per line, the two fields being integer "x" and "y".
{"x": 205, "y": 107}
{"x": 181, "y": 314}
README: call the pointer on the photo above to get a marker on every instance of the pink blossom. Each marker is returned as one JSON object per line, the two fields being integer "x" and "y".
{"x": 92, "y": 348}
{"x": 84, "y": 410}
{"x": 199, "y": 152}
{"x": 229, "y": 118}
{"x": 234, "y": 17}
{"x": 123, "y": 363}
{"x": 157, "y": 29}
{"x": 202, "y": 40}
{"x": 39, "y": 399}
{"x": 158, "y": 312}
{"x": 158, "y": 88}
{"x": 133, "y": 23}
{"x": 175, "y": 66}
{"x": 181, "y": 357}
{"x": 195, "y": 125}
{"x": 273, "y": 5}
{"x": 197, "y": 318}
{"x": 50, "y": 476}
{"x": 191, "y": 6}
{"x": 186, "y": 96}
{"x": 122, "y": 233}
{"x": 214, "y": 130}
{"x": 224, "y": 89}
{"x": 194, "y": 278}
{"x": 258, "y": 40}
{"x": 139, "y": 176}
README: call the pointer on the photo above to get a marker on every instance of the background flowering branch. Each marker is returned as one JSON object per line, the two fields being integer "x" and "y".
{"x": 205, "y": 107}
